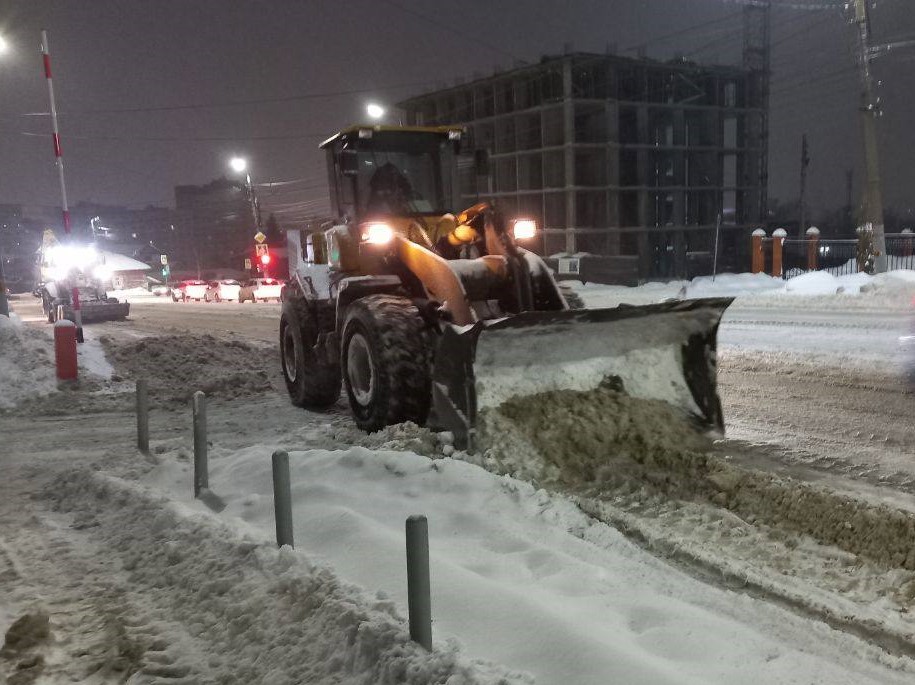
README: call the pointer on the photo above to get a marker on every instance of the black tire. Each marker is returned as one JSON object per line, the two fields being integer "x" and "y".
{"x": 386, "y": 358}
{"x": 312, "y": 383}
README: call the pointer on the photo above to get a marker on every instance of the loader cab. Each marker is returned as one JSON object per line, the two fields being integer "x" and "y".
{"x": 378, "y": 171}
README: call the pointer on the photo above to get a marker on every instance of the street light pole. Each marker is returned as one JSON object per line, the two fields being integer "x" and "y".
{"x": 4, "y": 304}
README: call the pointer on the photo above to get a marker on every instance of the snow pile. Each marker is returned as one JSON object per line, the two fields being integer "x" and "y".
{"x": 605, "y": 440}
{"x": 730, "y": 285}
{"x": 600, "y": 435}
{"x": 255, "y": 614}
{"x": 892, "y": 288}
{"x": 176, "y": 366}
{"x": 519, "y": 575}
{"x": 26, "y": 363}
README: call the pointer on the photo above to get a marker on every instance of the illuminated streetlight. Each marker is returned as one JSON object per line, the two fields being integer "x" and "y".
{"x": 238, "y": 164}
{"x": 374, "y": 110}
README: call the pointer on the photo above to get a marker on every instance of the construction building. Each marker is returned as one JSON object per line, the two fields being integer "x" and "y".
{"x": 621, "y": 157}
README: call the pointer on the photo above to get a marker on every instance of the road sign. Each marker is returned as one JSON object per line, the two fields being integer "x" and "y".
{"x": 260, "y": 237}
{"x": 164, "y": 259}
{"x": 261, "y": 250}
{"x": 248, "y": 263}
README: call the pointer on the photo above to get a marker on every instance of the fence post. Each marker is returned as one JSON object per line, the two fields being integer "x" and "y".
{"x": 143, "y": 416}
{"x": 282, "y": 499}
{"x": 201, "y": 475}
{"x": 757, "y": 258}
{"x": 419, "y": 593}
{"x": 778, "y": 242}
{"x": 813, "y": 248}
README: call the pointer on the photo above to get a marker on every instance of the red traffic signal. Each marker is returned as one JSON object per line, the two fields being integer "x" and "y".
{"x": 265, "y": 259}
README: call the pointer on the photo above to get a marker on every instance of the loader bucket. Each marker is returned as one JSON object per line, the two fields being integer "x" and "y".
{"x": 663, "y": 351}
{"x": 93, "y": 311}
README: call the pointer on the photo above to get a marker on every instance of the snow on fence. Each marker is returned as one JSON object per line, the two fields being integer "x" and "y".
{"x": 786, "y": 258}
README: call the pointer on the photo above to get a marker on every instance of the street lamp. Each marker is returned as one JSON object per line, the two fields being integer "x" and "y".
{"x": 4, "y": 305}
{"x": 240, "y": 165}
{"x": 374, "y": 110}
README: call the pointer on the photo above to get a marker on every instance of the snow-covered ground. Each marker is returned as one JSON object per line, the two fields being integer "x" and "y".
{"x": 526, "y": 586}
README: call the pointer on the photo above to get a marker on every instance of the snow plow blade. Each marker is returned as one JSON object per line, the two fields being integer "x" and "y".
{"x": 663, "y": 351}
{"x": 95, "y": 311}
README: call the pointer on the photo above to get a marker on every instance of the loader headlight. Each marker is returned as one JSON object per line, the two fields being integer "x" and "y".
{"x": 377, "y": 233}
{"x": 524, "y": 229}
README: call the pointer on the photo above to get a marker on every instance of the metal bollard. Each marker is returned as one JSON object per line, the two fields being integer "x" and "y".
{"x": 282, "y": 499}
{"x": 143, "y": 416}
{"x": 201, "y": 476}
{"x": 419, "y": 593}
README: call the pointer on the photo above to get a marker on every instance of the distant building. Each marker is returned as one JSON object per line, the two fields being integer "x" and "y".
{"x": 19, "y": 240}
{"x": 215, "y": 226}
{"x": 618, "y": 156}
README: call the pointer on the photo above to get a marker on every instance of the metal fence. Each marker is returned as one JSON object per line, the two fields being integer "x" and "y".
{"x": 838, "y": 257}
{"x": 900, "y": 250}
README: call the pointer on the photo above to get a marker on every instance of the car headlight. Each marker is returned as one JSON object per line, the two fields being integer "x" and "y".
{"x": 377, "y": 233}
{"x": 524, "y": 229}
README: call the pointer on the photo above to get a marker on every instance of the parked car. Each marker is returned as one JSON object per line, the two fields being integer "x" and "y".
{"x": 219, "y": 291}
{"x": 261, "y": 290}
{"x": 189, "y": 290}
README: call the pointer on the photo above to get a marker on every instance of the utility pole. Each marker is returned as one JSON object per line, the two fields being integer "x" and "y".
{"x": 805, "y": 161}
{"x": 849, "y": 198}
{"x": 870, "y": 110}
{"x": 4, "y": 305}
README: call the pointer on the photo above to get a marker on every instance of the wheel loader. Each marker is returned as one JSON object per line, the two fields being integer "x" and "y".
{"x": 65, "y": 269}
{"x": 427, "y": 314}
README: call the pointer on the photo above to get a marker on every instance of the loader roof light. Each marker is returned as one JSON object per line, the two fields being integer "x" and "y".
{"x": 524, "y": 229}
{"x": 377, "y": 233}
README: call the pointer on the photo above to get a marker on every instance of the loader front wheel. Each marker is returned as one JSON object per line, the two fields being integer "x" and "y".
{"x": 312, "y": 382}
{"x": 386, "y": 361}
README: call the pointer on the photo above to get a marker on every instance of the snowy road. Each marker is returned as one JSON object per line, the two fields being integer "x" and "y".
{"x": 796, "y": 413}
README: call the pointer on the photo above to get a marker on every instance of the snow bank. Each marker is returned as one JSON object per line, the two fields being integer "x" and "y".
{"x": 178, "y": 365}
{"x": 26, "y": 363}
{"x": 254, "y": 614}
{"x": 892, "y": 289}
{"x": 519, "y": 576}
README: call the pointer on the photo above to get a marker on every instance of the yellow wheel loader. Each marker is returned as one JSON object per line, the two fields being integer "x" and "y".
{"x": 427, "y": 315}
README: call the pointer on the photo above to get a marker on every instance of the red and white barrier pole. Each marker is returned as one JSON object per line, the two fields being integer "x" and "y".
{"x": 65, "y": 350}
{"x": 58, "y": 155}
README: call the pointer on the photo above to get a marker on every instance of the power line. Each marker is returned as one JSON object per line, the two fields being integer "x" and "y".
{"x": 237, "y": 103}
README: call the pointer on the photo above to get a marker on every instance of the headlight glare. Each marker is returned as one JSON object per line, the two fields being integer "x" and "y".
{"x": 377, "y": 233}
{"x": 525, "y": 229}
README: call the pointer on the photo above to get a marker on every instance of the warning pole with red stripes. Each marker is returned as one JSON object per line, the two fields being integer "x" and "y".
{"x": 58, "y": 155}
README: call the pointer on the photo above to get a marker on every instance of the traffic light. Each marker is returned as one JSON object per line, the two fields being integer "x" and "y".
{"x": 166, "y": 270}
{"x": 265, "y": 259}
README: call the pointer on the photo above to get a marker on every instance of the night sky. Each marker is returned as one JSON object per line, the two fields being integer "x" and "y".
{"x": 156, "y": 93}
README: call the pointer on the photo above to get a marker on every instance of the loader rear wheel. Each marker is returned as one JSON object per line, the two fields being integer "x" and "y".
{"x": 312, "y": 382}
{"x": 386, "y": 357}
